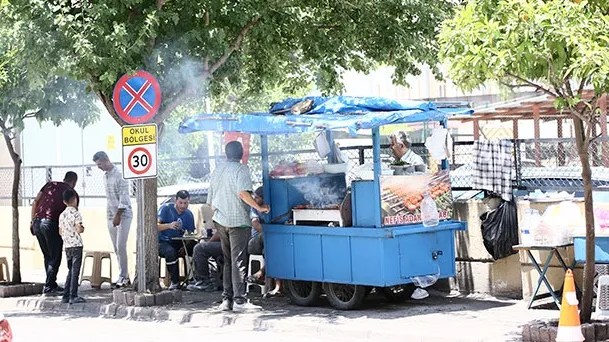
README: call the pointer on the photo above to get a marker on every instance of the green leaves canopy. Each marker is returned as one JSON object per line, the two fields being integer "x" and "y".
{"x": 560, "y": 45}
{"x": 29, "y": 86}
{"x": 190, "y": 45}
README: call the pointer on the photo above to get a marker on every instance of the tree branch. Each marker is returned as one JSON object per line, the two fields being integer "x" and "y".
{"x": 515, "y": 86}
{"x": 9, "y": 142}
{"x": 235, "y": 45}
{"x": 173, "y": 104}
{"x": 206, "y": 59}
{"x": 525, "y": 81}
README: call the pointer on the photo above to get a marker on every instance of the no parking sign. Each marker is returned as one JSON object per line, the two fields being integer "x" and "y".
{"x": 139, "y": 151}
{"x": 137, "y": 98}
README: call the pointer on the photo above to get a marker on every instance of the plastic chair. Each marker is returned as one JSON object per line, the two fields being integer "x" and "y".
{"x": 4, "y": 268}
{"x": 166, "y": 279}
{"x": 95, "y": 278}
{"x": 250, "y": 271}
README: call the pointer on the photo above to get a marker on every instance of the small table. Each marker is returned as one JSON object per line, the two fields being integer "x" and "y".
{"x": 189, "y": 259}
{"x": 542, "y": 273}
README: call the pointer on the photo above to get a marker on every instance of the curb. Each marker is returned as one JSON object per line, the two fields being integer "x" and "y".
{"x": 97, "y": 310}
{"x": 214, "y": 320}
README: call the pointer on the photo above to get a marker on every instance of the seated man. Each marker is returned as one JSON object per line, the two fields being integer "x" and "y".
{"x": 174, "y": 219}
{"x": 201, "y": 254}
{"x": 255, "y": 246}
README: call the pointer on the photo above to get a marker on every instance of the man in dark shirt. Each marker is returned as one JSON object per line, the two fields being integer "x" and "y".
{"x": 46, "y": 209}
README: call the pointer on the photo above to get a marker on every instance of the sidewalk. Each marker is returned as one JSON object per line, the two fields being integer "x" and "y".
{"x": 438, "y": 318}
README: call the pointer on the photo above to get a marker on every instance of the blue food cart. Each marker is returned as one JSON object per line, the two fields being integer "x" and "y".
{"x": 379, "y": 241}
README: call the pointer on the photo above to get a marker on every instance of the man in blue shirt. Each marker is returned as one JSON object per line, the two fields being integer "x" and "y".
{"x": 174, "y": 219}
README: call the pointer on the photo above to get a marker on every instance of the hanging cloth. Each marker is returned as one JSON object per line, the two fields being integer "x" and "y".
{"x": 493, "y": 167}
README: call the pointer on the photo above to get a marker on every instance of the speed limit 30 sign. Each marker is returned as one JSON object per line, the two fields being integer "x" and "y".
{"x": 139, "y": 151}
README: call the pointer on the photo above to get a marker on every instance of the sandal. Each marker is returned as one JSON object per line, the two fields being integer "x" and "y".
{"x": 253, "y": 280}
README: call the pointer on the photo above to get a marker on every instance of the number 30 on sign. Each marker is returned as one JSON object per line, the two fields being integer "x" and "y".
{"x": 139, "y": 151}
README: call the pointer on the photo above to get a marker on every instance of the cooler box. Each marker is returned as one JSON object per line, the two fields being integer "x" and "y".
{"x": 601, "y": 249}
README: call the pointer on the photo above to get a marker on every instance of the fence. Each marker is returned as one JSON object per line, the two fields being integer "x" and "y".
{"x": 538, "y": 164}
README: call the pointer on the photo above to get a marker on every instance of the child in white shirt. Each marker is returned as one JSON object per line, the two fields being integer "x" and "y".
{"x": 70, "y": 228}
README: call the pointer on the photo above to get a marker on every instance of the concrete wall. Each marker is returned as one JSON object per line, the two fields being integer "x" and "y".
{"x": 95, "y": 238}
{"x": 476, "y": 270}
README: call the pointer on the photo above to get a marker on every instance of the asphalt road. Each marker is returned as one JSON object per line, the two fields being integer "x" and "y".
{"x": 42, "y": 327}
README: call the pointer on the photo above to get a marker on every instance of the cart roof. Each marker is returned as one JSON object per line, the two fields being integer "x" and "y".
{"x": 329, "y": 113}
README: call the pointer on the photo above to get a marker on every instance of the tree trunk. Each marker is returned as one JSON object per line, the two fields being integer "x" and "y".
{"x": 16, "y": 278}
{"x": 589, "y": 267}
{"x": 151, "y": 244}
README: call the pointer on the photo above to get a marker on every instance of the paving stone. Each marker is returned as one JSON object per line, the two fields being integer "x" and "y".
{"x": 535, "y": 333}
{"x": 553, "y": 331}
{"x": 139, "y": 300}
{"x": 109, "y": 310}
{"x": 588, "y": 331}
{"x": 526, "y": 333}
{"x": 163, "y": 298}
{"x": 63, "y": 306}
{"x": 149, "y": 298}
{"x": 142, "y": 314}
{"x": 600, "y": 331}
{"x": 46, "y": 305}
{"x": 177, "y": 296}
{"x": 80, "y": 307}
{"x": 544, "y": 334}
{"x": 122, "y": 311}
{"x": 118, "y": 297}
{"x": 129, "y": 297}
{"x": 4, "y": 291}
{"x": 160, "y": 314}
{"x": 92, "y": 308}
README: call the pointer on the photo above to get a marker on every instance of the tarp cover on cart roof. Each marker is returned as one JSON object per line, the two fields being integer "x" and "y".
{"x": 333, "y": 113}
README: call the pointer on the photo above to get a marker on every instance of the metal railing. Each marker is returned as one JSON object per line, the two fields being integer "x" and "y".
{"x": 549, "y": 164}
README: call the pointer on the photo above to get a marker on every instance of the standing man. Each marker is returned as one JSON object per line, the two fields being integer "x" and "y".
{"x": 118, "y": 211}
{"x": 230, "y": 197}
{"x": 46, "y": 209}
{"x": 175, "y": 218}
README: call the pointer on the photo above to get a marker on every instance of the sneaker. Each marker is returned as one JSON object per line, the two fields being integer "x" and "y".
{"x": 59, "y": 289}
{"x": 226, "y": 305}
{"x": 77, "y": 300}
{"x": 419, "y": 293}
{"x": 51, "y": 293}
{"x": 123, "y": 282}
{"x": 174, "y": 286}
{"x": 200, "y": 285}
{"x": 65, "y": 300}
{"x": 245, "y": 306}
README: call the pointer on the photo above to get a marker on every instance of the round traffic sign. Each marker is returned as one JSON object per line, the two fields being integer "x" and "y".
{"x": 137, "y": 98}
{"x": 140, "y": 160}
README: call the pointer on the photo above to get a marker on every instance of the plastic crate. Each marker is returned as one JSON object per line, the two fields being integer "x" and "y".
{"x": 601, "y": 249}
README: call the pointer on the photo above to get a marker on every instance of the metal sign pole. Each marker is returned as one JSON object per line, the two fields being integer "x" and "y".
{"x": 141, "y": 255}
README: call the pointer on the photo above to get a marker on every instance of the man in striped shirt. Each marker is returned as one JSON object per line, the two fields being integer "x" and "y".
{"x": 118, "y": 211}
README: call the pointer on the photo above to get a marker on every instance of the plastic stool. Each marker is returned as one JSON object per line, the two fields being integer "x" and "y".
{"x": 260, "y": 260}
{"x": 3, "y": 268}
{"x": 95, "y": 278}
{"x": 167, "y": 278}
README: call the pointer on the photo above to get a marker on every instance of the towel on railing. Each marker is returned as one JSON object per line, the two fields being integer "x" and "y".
{"x": 493, "y": 167}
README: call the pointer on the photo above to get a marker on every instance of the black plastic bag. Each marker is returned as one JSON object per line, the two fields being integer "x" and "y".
{"x": 500, "y": 230}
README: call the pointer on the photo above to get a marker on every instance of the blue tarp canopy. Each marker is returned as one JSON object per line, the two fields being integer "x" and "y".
{"x": 326, "y": 113}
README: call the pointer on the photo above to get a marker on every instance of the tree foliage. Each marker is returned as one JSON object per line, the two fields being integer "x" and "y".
{"x": 31, "y": 88}
{"x": 556, "y": 46}
{"x": 193, "y": 46}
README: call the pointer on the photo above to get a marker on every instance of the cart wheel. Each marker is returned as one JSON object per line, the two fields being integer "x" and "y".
{"x": 344, "y": 296}
{"x": 303, "y": 293}
{"x": 399, "y": 293}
